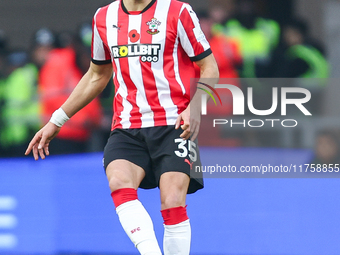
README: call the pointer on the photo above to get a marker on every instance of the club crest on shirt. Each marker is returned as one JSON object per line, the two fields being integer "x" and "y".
{"x": 153, "y": 26}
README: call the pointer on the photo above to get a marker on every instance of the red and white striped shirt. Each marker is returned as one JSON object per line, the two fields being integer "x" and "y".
{"x": 152, "y": 54}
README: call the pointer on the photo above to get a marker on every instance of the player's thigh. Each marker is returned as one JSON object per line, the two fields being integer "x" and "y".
{"x": 124, "y": 174}
{"x": 173, "y": 188}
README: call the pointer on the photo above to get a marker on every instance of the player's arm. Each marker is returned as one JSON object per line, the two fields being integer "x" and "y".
{"x": 90, "y": 86}
{"x": 191, "y": 119}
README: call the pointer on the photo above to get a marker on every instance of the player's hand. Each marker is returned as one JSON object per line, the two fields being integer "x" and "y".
{"x": 191, "y": 124}
{"x": 41, "y": 140}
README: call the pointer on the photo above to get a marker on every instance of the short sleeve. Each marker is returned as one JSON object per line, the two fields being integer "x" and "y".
{"x": 99, "y": 52}
{"x": 191, "y": 35}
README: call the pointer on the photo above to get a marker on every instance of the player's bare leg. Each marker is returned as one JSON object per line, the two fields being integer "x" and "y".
{"x": 177, "y": 230}
{"x": 124, "y": 179}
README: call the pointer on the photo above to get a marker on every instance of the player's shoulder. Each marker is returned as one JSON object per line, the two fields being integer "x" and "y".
{"x": 102, "y": 9}
{"x": 177, "y": 7}
{"x": 180, "y": 4}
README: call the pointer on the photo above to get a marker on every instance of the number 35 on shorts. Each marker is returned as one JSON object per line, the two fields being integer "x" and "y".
{"x": 186, "y": 147}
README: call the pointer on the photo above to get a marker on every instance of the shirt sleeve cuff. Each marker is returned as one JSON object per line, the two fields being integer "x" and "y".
{"x": 201, "y": 56}
{"x": 101, "y": 62}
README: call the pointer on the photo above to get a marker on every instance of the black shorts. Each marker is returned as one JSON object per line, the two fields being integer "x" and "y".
{"x": 157, "y": 150}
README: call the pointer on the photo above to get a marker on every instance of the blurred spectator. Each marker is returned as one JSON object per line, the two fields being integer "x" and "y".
{"x": 20, "y": 111}
{"x": 302, "y": 57}
{"x": 226, "y": 50}
{"x": 20, "y": 116}
{"x": 58, "y": 77}
{"x": 220, "y": 15}
{"x": 83, "y": 46}
{"x": 2, "y": 78}
{"x": 85, "y": 34}
{"x": 327, "y": 148}
{"x": 228, "y": 57}
{"x": 43, "y": 43}
{"x": 3, "y": 64}
{"x": 3, "y": 53}
{"x": 258, "y": 37}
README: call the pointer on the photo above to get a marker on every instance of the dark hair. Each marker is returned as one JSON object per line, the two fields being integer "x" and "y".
{"x": 43, "y": 37}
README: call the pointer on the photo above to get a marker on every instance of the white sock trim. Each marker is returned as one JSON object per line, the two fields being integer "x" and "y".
{"x": 127, "y": 205}
{"x": 177, "y": 238}
{"x": 184, "y": 223}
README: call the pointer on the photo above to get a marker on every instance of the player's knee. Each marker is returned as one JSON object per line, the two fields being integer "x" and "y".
{"x": 172, "y": 200}
{"x": 119, "y": 182}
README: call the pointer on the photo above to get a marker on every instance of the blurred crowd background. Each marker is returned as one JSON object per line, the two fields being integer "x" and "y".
{"x": 43, "y": 57}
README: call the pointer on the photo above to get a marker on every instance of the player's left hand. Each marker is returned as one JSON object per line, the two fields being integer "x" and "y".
{"x": 40, "y": 142}
{"x": 191, "y": 123}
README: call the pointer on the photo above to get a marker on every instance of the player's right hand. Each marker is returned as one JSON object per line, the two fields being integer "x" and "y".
{"x": 41, "y": 140}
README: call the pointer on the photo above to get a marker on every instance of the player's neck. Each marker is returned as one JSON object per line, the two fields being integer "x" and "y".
{"x": 136, "y": 5}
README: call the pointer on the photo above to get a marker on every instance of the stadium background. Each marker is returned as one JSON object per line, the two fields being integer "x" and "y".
{"x": 62, "y": 205}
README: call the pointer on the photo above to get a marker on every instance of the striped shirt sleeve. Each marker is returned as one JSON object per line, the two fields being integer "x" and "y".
{"x": 100, "y": 54}
{"x": 191, "y": 35}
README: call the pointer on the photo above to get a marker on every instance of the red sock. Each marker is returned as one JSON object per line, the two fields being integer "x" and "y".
{"x": 176, "y": 215}
{"x": 122, "y": 196}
